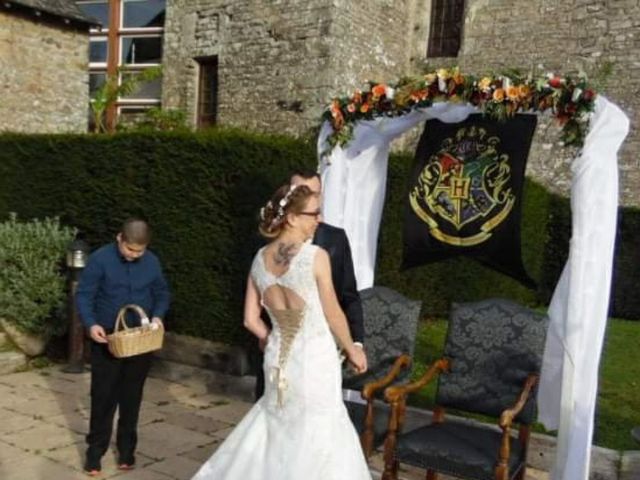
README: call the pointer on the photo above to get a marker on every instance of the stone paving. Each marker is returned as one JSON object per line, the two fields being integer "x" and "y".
{"x": 44, "y": 417}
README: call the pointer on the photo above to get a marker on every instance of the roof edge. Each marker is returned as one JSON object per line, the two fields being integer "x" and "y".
{"x": 84, "y": 23}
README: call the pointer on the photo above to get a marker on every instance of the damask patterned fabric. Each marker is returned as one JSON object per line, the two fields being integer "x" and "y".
{"x": 462, "y": 450}
{"x": 492, "y": 345}
{"x": 390, "y": 325}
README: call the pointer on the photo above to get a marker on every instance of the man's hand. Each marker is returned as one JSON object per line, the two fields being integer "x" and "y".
{"x": 262, "y": 343}
{"x": 97, "y": 334}
{"x": 358, "y": 359}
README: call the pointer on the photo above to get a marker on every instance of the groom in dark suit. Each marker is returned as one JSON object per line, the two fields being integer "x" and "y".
{"x": 334, "y": 240}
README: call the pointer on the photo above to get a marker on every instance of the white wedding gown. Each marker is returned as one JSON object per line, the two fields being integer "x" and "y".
{"x": 299, "y": 429}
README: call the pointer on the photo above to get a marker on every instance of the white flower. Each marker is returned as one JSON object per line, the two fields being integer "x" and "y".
{"x": 577, "y": 92}
{"x": 389, "y": 92}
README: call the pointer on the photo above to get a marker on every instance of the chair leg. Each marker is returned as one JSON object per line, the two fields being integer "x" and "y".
{"x": 502, "y": 472}
{"x": 521, "y": 474}
{"x": 432, "y": 475}
{"x": 390, "y": 462}
{"x": 366, "y": 439}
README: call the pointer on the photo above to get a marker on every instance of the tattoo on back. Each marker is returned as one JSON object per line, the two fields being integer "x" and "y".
{"x": 284, "y": 254}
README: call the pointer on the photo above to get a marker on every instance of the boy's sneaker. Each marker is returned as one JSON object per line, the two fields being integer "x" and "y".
{"x": 92, "y": 468}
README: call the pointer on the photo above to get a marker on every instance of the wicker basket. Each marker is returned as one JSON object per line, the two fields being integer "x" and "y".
{"x": 127, "y": 342}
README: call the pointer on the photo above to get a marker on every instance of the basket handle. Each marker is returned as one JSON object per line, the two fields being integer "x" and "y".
{"x": 120, "y": 321}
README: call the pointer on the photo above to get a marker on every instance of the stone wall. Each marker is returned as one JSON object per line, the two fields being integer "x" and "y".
{"x": 43, "y": 76}
{"x": 274, "y": 54}
{"x": 566, "y": 37}
{"x": 267, "y": 53}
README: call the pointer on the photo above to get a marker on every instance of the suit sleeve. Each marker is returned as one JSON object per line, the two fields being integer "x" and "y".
{"x": 350, "y": 298}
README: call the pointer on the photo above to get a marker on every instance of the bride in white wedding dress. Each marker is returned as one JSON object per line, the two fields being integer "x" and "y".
{"x": 299, "y": 429}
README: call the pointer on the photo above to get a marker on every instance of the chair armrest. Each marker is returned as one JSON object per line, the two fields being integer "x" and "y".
{"x": 396, "y": 393}
{"x": 403, "y": 361}
{"x": 507, "y": 416}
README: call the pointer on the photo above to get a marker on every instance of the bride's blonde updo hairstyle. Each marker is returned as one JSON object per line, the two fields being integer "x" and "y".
{"x": 287, "y": 199}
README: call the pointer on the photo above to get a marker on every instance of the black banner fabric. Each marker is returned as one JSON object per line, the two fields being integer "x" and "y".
{"x": 465, "y": 193}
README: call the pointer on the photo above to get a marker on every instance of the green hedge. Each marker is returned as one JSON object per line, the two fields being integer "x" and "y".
{"x": 201, "y": 193}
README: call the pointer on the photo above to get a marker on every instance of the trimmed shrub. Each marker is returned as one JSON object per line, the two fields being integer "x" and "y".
{"x": 202, "y": 192}
{"x": 32, "y": 285}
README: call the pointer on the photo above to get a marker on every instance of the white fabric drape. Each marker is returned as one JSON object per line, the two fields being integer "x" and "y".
{"x": 354, "y": 181}
{"x": 578, "y": 310}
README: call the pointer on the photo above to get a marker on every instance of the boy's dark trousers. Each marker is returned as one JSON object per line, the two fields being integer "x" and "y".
{"x": 115, "y": 383}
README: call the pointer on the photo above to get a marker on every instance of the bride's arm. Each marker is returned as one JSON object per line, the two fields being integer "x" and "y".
{"x": 334, "y": 314}
{"x": 252, "y": 309}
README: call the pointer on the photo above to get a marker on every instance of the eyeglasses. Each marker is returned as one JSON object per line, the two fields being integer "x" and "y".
{"x": 315, "y": 214}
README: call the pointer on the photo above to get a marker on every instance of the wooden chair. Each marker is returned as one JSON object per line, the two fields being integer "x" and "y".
{"x": 492, "y": 358}
{"x": 391, "y": 322}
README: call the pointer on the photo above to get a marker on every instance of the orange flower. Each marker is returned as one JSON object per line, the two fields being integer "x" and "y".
{"x": 498, "y": 95}
{"x": 418, "y": 95}
{"x": 364, "y": 108}
{"x": 524, "y": 91}
{"x": 335, "y": 108}
{"x": 379, "y": 90}
{"x": 512, "y": 93}
{"x": 351, "y": 108}
{"x": 458, "y": 78}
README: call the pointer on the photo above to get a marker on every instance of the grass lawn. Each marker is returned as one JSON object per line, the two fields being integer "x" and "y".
{"x": 618, "y": 408}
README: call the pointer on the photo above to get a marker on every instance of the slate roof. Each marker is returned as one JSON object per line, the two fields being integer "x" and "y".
{"x": 64, "y": 10}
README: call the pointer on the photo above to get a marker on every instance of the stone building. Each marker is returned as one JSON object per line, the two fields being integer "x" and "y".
{"x": 43, "y": 66}
{"x": 275, "y": 65}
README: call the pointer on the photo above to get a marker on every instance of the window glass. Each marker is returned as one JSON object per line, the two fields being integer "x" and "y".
{"x": 208, "y": 92}
{"x": 98, "y": 50}
{"x": 98, "y": 9}
{"x": 446, "y": 28}
{"x": 141, "y": 50}
{"x": 96, "y": 80}
{"x": 149, "y": 90}
{"x": 130, "y": 115}
{"x": 143, "y": 13}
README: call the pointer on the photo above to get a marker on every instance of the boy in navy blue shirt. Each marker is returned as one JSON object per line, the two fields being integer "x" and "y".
{"x": 118, "y": 274}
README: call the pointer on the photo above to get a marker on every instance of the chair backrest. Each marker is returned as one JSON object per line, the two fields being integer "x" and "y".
{"x": 390, "y": 325}
{"x": 492, "y": 346}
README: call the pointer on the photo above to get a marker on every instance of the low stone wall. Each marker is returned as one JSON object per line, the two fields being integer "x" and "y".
{"x": 201, "y": 353}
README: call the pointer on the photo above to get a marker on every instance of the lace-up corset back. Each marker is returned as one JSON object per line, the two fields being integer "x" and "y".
{"x": 288, "y": 298}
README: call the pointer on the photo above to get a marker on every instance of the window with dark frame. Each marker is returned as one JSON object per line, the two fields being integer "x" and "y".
{"x": 445, "y": 33}
{"x": 207, "y": 91}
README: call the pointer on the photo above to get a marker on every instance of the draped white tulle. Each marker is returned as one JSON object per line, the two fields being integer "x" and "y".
{"x": 299, "y": 429}
{"x": 354, "y": 179}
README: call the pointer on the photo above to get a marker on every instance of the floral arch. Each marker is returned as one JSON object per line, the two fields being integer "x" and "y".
{"x": 353, "y": 151}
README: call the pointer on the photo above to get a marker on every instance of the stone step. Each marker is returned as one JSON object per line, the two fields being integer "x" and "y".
{"x": 11, "y": 362}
